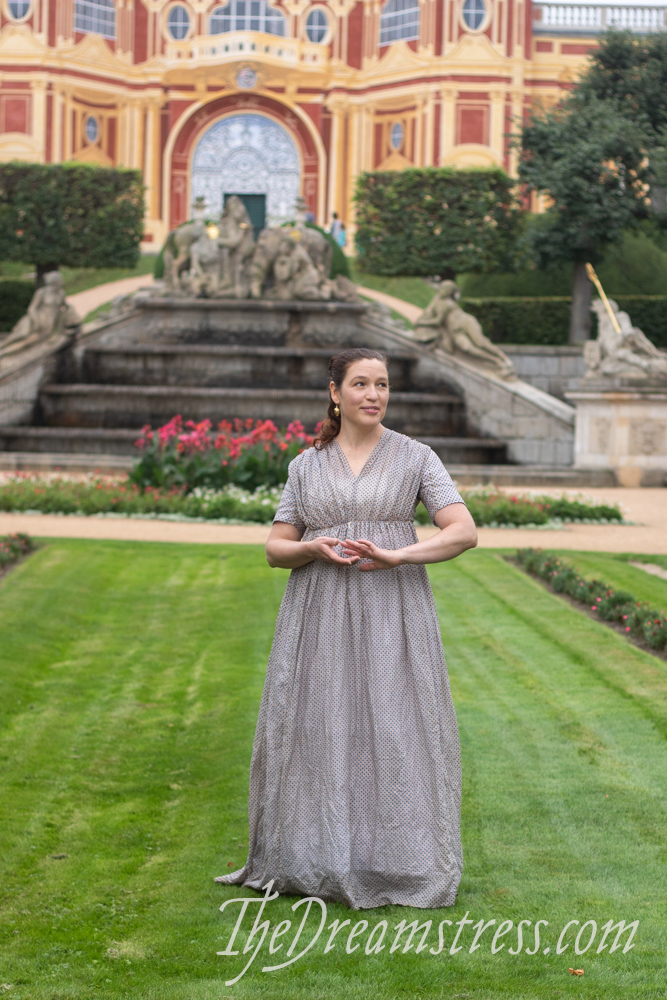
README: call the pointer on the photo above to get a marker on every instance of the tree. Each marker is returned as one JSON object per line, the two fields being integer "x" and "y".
{"x": 590, "y": 161}
{"x": 71, "y": 214}
{"x": 631, "y": 72}
{"x": 436, "y": 221}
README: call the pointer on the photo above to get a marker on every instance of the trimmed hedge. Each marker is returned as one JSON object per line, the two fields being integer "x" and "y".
{"x": 546, "y": 320}
{"x": 436, "y": 220}
{"x": 15, "y": 296}
{"x": 73, "y": 214}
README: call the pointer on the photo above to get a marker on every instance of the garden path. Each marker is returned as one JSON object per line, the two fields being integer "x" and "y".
{"x": 85, "y": 302}
{"x": 398, "y": 305}
{"x": 645, "y": 507}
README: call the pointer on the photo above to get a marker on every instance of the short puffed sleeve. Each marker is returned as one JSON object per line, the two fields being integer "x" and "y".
{"x": 289, "y": 509}
{"x": 436, "y": 489}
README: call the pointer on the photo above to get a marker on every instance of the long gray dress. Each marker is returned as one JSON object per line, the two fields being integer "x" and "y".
{"x": 355, "y": 776}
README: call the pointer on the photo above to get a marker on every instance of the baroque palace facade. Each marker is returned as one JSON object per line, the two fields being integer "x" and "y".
{"x": 209, "y": 98}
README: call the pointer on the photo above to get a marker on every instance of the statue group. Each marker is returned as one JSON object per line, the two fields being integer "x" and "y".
{"x": 224, "y": 260}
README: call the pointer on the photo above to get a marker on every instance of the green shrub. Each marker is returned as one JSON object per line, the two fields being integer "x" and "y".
{"x": 15, "y": 298}
{"x": 636, "y": 618}
{"x": 515, "y": 320}
{"x": 436, "y": 221}
{"x": 522, "y": 320}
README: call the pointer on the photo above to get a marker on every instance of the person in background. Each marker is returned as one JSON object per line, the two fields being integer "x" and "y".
{"x": 341, "y": 238}
{"x": 335, "y": 226}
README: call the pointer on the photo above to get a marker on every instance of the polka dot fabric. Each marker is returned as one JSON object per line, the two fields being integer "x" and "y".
{"x": 355, "y": 776}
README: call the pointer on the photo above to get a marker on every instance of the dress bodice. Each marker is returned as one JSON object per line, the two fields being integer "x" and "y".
{"x": 323, "y": 492}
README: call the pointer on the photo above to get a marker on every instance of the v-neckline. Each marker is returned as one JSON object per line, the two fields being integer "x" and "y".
{"x": 377, "y": 445}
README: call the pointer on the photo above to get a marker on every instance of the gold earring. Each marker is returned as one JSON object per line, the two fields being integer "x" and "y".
{"x": 336, "y": 410}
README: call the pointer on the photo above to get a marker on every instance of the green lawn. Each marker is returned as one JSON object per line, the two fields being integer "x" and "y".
{"x": 414, "y": 290}
{"x": 80, "y": 279}
{"x": 131, "y": 676}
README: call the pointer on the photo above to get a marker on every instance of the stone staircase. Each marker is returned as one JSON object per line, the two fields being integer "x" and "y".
{"x": 104, "y": 393}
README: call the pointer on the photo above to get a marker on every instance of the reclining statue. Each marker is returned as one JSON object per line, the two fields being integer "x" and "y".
{"x": 628, "y": 352}
{"x": 445, "y": 327}
{"x": 49, "y": 315}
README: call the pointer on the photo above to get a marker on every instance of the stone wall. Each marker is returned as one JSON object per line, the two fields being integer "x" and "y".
{"x": 552, "y": 369}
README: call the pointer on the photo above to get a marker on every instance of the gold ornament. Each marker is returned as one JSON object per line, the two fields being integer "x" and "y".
{"x": 337, "y": 410}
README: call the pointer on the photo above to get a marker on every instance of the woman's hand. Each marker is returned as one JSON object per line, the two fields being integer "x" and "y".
{"x": 323, "y": 548}
{"x": 380, "y": 558}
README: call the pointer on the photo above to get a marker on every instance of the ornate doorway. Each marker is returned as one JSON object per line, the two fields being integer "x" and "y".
{"x": 247, "y": 154}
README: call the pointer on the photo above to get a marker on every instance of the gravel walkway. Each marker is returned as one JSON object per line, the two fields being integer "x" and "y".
{"x": 647, "y": 508}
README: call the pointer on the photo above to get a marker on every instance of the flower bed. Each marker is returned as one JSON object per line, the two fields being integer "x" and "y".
{"x": 247, "y": 453}
{"x": 492, "y": 508}
{"x": 93, "y": 494}
{"x": 617, "y": 607}
{"x": 13, "y": 548}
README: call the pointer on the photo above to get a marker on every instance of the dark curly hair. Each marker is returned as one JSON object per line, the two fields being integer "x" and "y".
{"x": 338, "y": 366}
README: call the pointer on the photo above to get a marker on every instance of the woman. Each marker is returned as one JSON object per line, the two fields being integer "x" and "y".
{"x": 355, "y": 777}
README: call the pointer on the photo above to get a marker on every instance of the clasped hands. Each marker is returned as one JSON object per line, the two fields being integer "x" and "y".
{"x": 355, "y": 550}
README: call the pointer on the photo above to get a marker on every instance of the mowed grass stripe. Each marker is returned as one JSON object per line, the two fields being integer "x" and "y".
{"x": 551, "y": 716}
{"x": 162, "y": 651}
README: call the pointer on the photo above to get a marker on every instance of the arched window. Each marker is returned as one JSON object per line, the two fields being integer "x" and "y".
{"x": 95, "y": 16}
{"x": 399, "y": 19}
{"x": 317, "y": 25}
{"x": 247, "y": 15}
{"x": 178, "y": 22}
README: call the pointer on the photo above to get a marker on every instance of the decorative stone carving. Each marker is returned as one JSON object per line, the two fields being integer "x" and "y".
{"x": 177, "y": 251}
{"x": 219, "y": 264}
{"x": 49, "y": 315}
{"x": 294, "y": 274}
{"x": 446, "y": 327}
{"x": 223, "y": 261}
{"x": 269, "y": 243}
{"x": 623, "y": 352}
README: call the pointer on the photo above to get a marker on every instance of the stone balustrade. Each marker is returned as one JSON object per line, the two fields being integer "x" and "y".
{"x": 255, "y": 45}
{"x": 593, "y": 18}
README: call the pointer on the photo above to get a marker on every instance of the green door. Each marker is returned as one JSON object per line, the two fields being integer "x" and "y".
{"x": 256, "y": 208}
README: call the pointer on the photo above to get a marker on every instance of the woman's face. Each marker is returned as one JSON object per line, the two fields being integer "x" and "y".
{"x": 364, "y": 393}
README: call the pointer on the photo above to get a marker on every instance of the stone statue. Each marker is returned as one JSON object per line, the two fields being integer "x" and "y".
{"x": 295, "y": 275}
{"x": 626, "y": 353}
{"x": 445, "y": 327}
{"x": 266, "y": 250}
{"x": 220, "y": 263}
{"x": 49, "y": 315}
{"x": 177, "y": 251}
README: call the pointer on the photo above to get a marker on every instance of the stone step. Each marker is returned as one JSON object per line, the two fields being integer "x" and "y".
{"x": 69, "y": 440}
{"x": 232, "y": 365}
{"x": 111, "y": 406}
{"x": 467, "y": 450}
